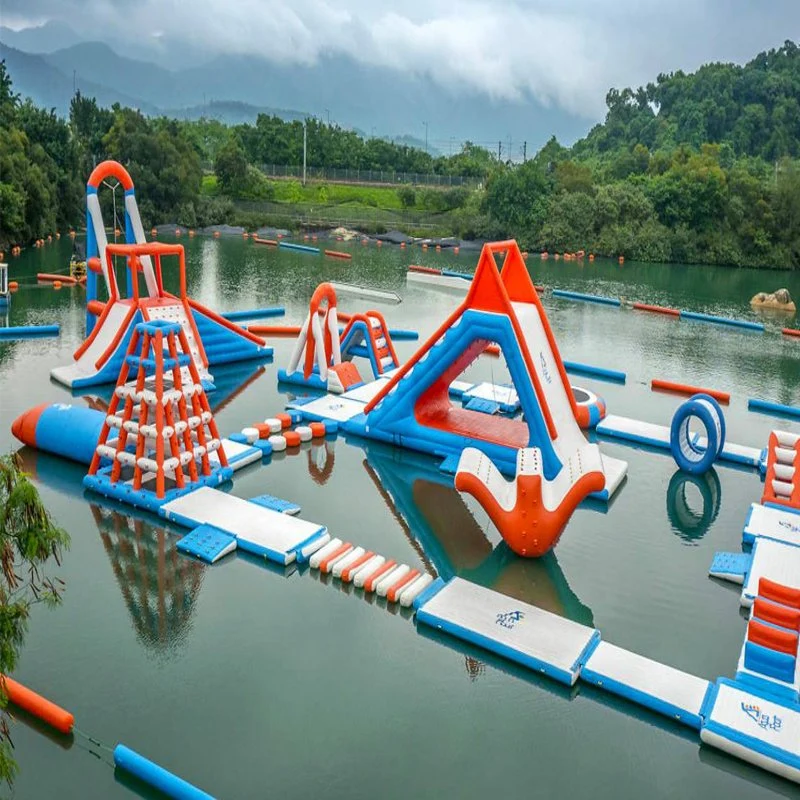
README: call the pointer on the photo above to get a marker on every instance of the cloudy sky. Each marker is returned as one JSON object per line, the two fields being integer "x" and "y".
{"x": 564, "y": 52}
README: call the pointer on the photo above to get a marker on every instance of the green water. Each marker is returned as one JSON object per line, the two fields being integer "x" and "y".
{"x": 253, "y": 682}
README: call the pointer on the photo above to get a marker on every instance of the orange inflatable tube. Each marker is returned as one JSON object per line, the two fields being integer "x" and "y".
{"x": 40, "y": 707}
{"x": 779, "y": 593}
{"x": 790, "y": 332}
{"x": 265, "y": 241}
{"x": 337, "y": 254}
{"x": 684, "y": 388}
{"x": 672, "y": 312}
{"x": 50, "y": 278}
{"x": 275, "y": 330}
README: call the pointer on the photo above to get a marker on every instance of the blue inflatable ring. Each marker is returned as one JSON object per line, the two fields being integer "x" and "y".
{"x": 688, "y": 454}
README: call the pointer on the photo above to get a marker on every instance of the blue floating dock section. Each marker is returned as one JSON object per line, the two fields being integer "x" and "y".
{"x": 601, "y": 373}
{"x": 656, "y": 686}
{"x": 755, "y": 726}
{"x": 29, "y": 331}
{"x": 276, "y": 504}
{"x": 258, "y": 530}
{"x": 587, "y": 298}
{"x": 155, "y": 776}
{"x": 736, "y": 323}
{"x": 537, "y": 639}
{"x": 303, "y": 248}
{"x": 768, "y": 407}
{"x": 254, "y": 313}
{"x": 730, "y": 566}
{"x": 208, "y": 543}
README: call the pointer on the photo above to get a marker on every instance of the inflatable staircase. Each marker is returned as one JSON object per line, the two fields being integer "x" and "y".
{"x": 782, "y": 481}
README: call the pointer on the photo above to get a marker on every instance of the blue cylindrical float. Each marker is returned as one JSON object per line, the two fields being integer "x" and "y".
{"x": 156, "y": 776}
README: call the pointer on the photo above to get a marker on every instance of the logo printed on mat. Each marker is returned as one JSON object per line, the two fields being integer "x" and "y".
{"x": 765, "y": 721}
{"x": 509, "y": 619}
{"x": 545, "y": 370}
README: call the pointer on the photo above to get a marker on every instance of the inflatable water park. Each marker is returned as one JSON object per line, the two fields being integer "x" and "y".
{"x": 528, "y": 449}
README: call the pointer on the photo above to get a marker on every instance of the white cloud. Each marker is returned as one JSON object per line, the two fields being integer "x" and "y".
{"x": 563, "y": 52}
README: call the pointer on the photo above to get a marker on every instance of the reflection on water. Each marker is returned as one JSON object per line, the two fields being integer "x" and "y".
{"x": 159, "y": 585}
{"x": 693, "y": 503}
{"x": 321, "y": 458}
{"x": 436, "y": 519}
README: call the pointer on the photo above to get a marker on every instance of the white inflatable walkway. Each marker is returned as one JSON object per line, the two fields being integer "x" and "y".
{"x": 771, "y": 523}
{"x": 755, "y": 727}
{"x": 544, "y": 642}
{"x": 658, "y": 436}
{"x": 258, "y": 530}
{"x": 657, "y": 686}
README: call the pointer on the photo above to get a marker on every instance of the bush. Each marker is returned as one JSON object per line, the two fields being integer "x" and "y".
{"x": 407, "y": 195}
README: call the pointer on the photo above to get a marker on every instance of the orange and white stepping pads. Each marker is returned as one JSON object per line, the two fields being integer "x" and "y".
{"x": 398, "y": 583}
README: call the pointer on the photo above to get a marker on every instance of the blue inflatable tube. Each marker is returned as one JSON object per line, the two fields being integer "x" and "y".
{"x": 736, "y": 323}
{"x": 601, "y": 373}
{"x": 254, "y": 313}
{"x": 688, "y": 454}
{"x": 589, "y": 298}
{"x": 452, "y": 274}
{"x": 28, "y": 331}
{"x": 401, "y": 335}
{"x": 768, "y": 407}
{"x": 155, "y": 776}
{"x": 303, "y": 248}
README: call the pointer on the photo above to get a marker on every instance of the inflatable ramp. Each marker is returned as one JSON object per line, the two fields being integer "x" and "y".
{"x": 537, "y": 639}
{"x": 278, "y": 537}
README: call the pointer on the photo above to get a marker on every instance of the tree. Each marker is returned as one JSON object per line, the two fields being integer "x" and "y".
{"x": 29, "y": 539}
{"x": 230, "y": 167}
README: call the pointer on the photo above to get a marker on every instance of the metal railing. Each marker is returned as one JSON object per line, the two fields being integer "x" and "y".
{"x": 346, "y": 175}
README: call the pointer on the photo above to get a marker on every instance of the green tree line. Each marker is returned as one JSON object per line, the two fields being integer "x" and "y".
{"x": 698, "y": 167}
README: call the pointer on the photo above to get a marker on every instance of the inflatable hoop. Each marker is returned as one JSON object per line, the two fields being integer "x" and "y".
{"x": 689, "y": 454}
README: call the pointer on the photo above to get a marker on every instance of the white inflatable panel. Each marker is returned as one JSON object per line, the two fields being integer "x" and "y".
{"x": 342, "y": 563}
{"x": 324, "y": 552}
{"x": 657, "y": 686}
{"x": 335, "y": 407}
{"x": 648, "y": 433}
{"x": 754, "y": 728}
{"x": 775, "y": 561}
{"x": 410, "y": 592}
{"x": 390, "y": 579}
{"x": 535, "y": 638}
{"x": 277, "y": 536}
{"x": 771, "y": 523}
{"x": 438, "y": 281}
{"x": 615, "y": 470}
{"x": 365, "y": 393}
{"x": 367, "y": 569}
{"x": 239, "y": 455}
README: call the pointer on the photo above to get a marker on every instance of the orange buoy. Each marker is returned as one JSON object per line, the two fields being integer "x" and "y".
{"x": 263, "y": 430}
{"x": 591, "y": 256}
{"x": 191, "y": 232}
{"x": 58, "y": 234}
{"x": 317, "y": 429}
{"x": 266, "y": 241}
{"x": 402, "y": 245}
{"x": 556, "y": 256}
{"x": 455, "y": 250}
{"x": 424, "y": 246}
{"x": 177, "y": 231}
{"x": 216, "y": 234}
{"x": 39, "y": 706}
{"x": 622, "y": 259}
{"x": 292, "y": 438}
{"x": 784, "y": 331}
{"x": 12, "y": 285}
{"x": 379, "y": 243}
{"x": 305, "y": 237}
{"x": 72, "y": 234}
{"x": 438, "y": 248}
{"x": 56, "y": 284}
{"x": 117, "y": 232}
{"x": 285, "y": 420}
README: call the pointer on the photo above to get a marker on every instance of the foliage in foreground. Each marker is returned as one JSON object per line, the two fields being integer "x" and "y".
{"x": 29, "y": 540}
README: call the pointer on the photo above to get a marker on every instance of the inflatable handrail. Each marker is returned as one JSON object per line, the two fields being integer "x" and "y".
{"x": 110, "y": 169}
{"x": 224, "y": 322}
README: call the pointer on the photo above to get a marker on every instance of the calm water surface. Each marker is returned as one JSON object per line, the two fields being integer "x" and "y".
{"x": 251, "y": 682}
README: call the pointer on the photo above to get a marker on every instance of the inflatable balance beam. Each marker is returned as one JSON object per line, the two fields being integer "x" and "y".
{"x": 29, "y": 331}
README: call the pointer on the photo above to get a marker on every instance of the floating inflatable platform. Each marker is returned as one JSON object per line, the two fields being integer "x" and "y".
{"x": 658, "y": 436}
{"x": 771, "y": 523}
{"x": 544, "y": 642}
{"x": 276, "y": 536}
{"x": 662, "y": 688}
{"x": 754, "y": 726}
{"x": 775, "y": 561}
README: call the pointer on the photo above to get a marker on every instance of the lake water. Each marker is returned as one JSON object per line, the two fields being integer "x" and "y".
{"x": 253, "y": 682}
